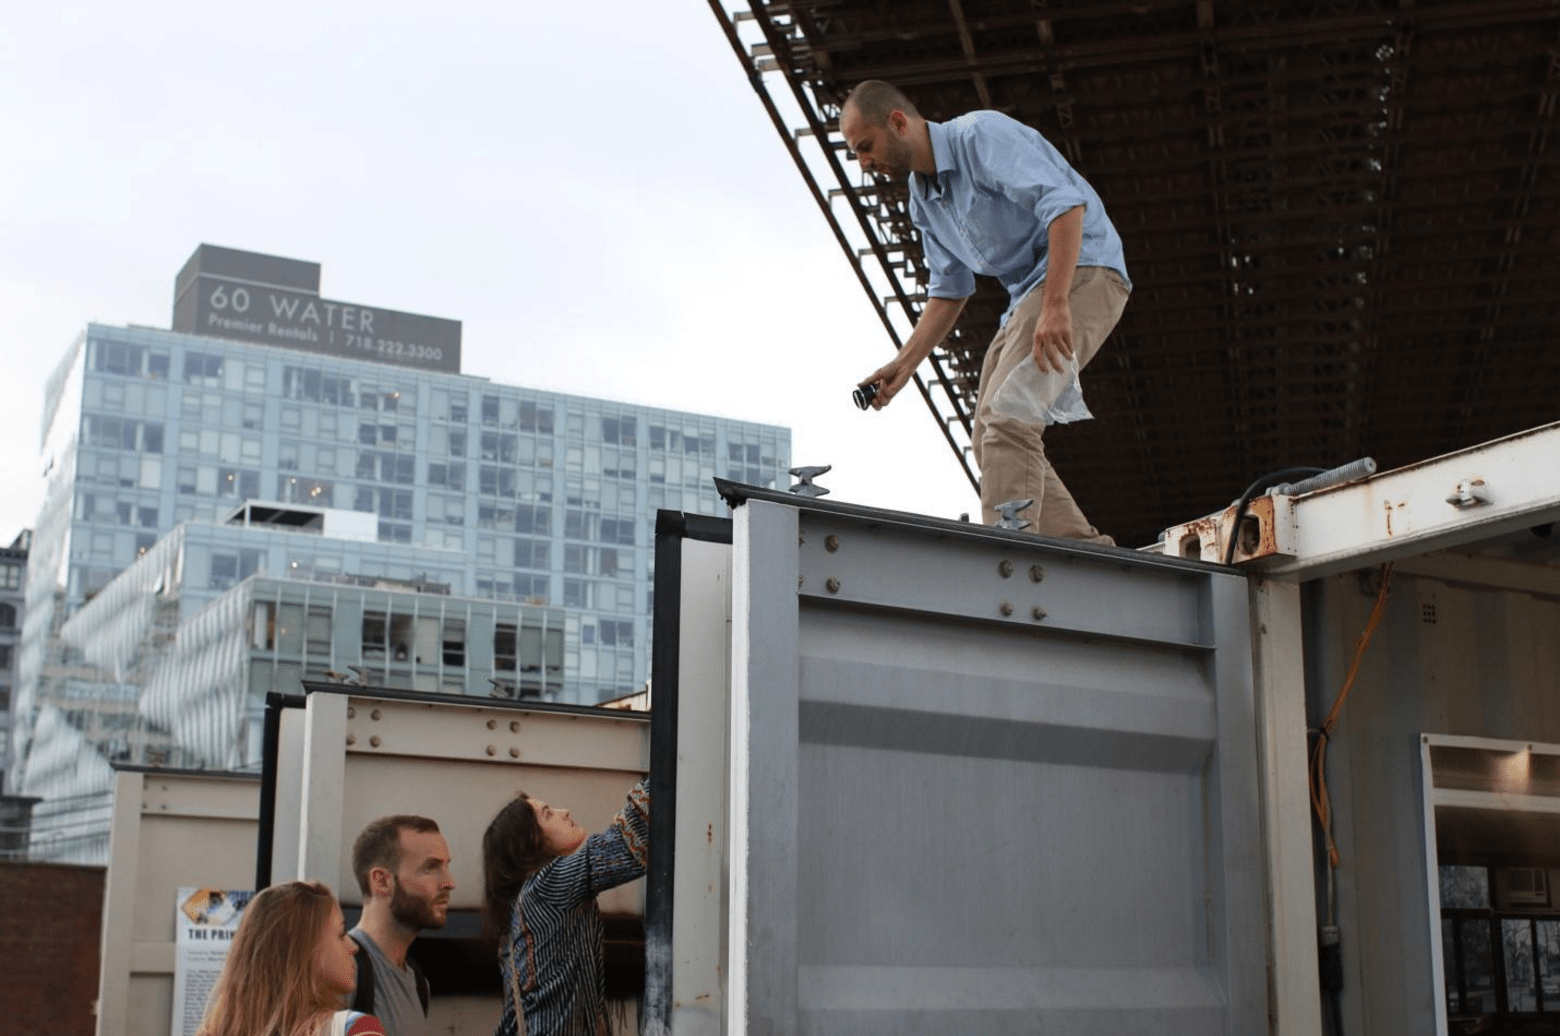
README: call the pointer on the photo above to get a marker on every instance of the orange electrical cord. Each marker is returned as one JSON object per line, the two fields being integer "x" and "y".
{"x": 1316, "y": 783}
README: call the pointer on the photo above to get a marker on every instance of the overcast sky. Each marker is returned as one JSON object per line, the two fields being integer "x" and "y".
{"x": 594, "y": 190}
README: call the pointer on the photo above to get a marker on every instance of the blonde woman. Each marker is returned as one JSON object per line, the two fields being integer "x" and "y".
{"x": 288, "y": 969}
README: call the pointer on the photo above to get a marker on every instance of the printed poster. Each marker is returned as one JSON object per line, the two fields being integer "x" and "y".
{"x": 204, "y": 922}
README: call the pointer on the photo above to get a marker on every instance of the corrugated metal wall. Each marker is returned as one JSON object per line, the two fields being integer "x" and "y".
{"x": 990, "y": 784}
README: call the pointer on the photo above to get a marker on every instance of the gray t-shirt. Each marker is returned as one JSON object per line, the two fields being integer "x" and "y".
{"x": 396, "y": 1002}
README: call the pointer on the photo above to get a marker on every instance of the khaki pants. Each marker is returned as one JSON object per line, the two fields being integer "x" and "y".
{"x": 1009, "y": 453}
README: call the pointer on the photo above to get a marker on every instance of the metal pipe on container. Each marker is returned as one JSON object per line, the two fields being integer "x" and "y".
{"x": 1352, "y": 472}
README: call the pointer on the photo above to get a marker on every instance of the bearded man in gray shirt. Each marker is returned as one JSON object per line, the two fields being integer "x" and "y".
{"x": 403, "y": 869}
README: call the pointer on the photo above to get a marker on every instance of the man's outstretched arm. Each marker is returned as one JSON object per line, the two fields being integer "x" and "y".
{"x": 933, "y": 326}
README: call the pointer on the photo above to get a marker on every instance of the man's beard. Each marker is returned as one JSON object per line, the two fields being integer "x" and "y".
{"x": 411, "y": 912}
{"x": 897, "y": 158}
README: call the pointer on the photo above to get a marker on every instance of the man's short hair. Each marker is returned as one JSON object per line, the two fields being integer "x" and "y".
{"x": 874, "y": 99}
{"x": 379, "y": 844}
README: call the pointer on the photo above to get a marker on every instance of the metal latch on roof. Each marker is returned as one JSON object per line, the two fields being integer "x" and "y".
{"x": 805, "y": 480}
{"x": 1470, "y": 494}
{"x": 1009, "y": 515}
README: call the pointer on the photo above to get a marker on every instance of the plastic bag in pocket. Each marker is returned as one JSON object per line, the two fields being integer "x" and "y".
{"x": 1042, "y": 397}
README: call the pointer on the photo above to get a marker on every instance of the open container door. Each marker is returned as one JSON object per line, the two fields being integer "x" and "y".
{"x": 686, "y": 885}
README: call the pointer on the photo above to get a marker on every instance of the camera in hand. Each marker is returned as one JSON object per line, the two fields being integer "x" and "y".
{"x": 864, "y": 395}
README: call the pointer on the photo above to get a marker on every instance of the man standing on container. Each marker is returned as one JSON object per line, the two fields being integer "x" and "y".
{"x": 989, "y": 195}
{"x": 403, "y": 869}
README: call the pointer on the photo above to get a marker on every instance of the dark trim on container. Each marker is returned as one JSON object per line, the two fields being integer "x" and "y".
{"x": 736, "y": 494}
{"x": 469, "y": 700}
{"x": 270, "y": 741}
{"x": 672, "y": 529}
{"x": 176, "y": 771}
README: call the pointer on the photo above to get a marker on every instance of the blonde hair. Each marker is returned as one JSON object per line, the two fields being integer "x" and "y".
{"x": 270, "y": 985}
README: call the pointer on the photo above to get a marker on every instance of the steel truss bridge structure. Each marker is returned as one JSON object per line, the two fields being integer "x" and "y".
{"x": 1340, "y": 217}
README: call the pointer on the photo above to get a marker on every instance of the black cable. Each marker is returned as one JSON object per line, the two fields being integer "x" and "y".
{"x": 1274, "y": 478}
{"x": 1331, "y": 976}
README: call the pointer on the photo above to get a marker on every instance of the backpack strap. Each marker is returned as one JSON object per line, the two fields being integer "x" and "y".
{"x": 363, "y": 996}
{"x": 422, "y": 983}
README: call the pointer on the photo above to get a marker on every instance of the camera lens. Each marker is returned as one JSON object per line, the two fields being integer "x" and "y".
{"x": 863, "y": 395}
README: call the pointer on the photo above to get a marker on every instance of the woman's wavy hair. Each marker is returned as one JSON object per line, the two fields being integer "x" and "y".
{"x": 270, "y": 985}
{"x": 513, "y": 850}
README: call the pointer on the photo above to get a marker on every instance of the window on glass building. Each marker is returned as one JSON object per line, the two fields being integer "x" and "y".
{"x": 533, "y": 518}
{"x": 619, "y": 431}
{"x": 579, "y": 593}
{"x": 505, "y": 647}
{"x": 532, "y": 588}
{"x": 531, "y": 553}
{"x": 224, "y": 571}
{"x": 203, "y": 369}
{"x": 263, "y": 626}
{"x": 617, "y": 632}
{"x": 536, "y": 418}
{"x": 495, "y": 481}
{"x": 395, "y": 532}
{"x": 453, "y": 642}
{"x": 317, "y": 633}
{"x": 617, "y": 530}
{"x": 399, "y": 468}
{"x": 452, "y": 476}
{"x": 118, "y": 358}
{"x": 541, "y": 650}
{"x": 232, "y": 482}
{"x": 451, "y": 510}
{"x": 580, "y": 524}
{"x": 227, "y": 569}
{"x": 376, "y": 631}
{"x": 111, "y": 433}
{"x": 492, "y": 516}
{"x": 488, "y": 445}
{"x": 396, "y": 503}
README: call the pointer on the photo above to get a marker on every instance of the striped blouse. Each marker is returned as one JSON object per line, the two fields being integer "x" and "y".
{"x": 556, "y": 930}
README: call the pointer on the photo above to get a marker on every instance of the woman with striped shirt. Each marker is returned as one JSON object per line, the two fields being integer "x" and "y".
{"x": 541, "y": 877}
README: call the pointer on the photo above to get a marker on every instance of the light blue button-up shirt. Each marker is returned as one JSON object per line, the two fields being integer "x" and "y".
{"x": 999, "y": 185}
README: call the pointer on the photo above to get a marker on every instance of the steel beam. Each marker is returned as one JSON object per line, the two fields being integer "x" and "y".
{"x": 1460, "y": 498}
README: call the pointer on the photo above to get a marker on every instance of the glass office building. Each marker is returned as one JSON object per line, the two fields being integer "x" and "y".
{"x": 442, "y": 488}
{"x": 13, "y": 568}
